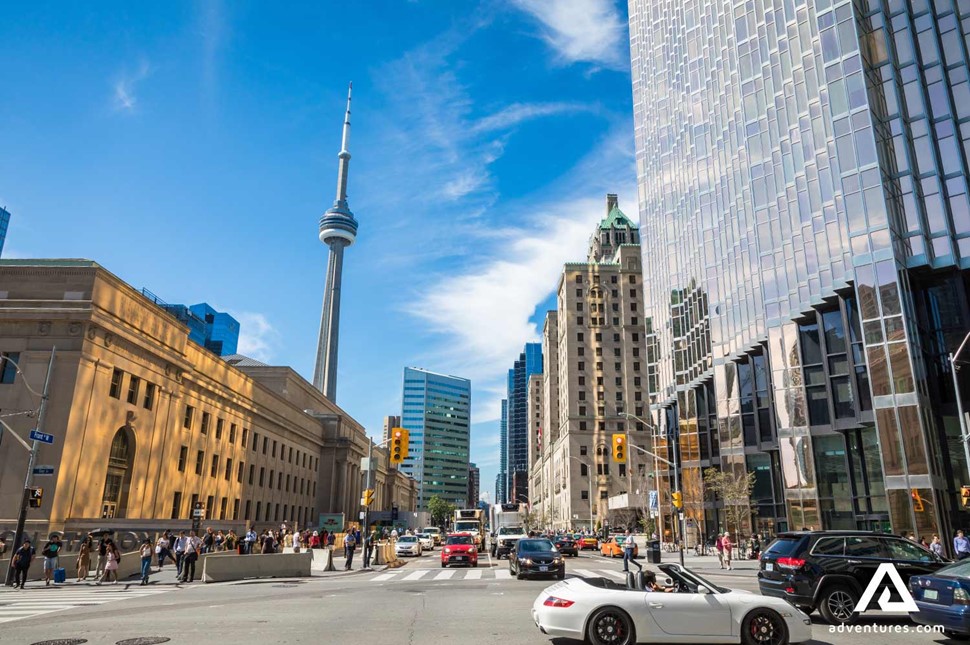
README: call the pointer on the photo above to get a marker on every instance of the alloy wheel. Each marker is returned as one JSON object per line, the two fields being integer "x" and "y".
{"x": 841, "y": 604}
{"x": 765, "y": 628}
{"x": 610, "y": 628}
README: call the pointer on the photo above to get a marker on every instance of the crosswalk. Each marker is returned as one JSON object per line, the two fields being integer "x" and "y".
{"x": 481, "y": 574}
{"x": 27, "y": 603}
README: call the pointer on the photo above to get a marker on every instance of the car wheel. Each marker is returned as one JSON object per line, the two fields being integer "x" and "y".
{"x": 763, "y": 627}
{"x": 837, "y": 605}
{"x": 475, "y": 564}
{"x": 444, "y": 566}
{"x": 610, "y": 626}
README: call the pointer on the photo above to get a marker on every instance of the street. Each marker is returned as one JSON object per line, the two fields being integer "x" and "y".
{"x": 417, "y": 603}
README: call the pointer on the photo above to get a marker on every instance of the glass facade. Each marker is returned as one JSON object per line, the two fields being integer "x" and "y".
{"x": 516, "y": 451}
{"x": 4, "y": 225}
{"x": 802, "y": 176}
{"x": 436, "y": 412}
{"x": 221, "y": 331}
{"x": 502, "y": 483}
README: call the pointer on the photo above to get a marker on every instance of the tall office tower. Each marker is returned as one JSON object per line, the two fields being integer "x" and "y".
{"x": 802, "y": 171}
{"x": 338, "y": 230}
{"x": 474, "y": 483}
{"x": 529, "y": 363}
{"x": 595, "y": 374}
{"x": 4, "y": 225}
{"x": 502, "y": 487}
{"x": 217, "y": 331}
{"x": 436, "y": 414}
{"x": 390, "y": 422}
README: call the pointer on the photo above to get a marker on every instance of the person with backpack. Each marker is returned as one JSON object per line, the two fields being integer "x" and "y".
{"x": 21, "y": 563}
{"x": 51, "y": 561}
{"x": 350, "y": 543}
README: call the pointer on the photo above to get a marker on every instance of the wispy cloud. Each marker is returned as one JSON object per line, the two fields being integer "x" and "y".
{"x": 125, "y": 99}
{"x": 517, "y": 113}
{"x": 581, "y": 30}
{"x": 258, "y": 338}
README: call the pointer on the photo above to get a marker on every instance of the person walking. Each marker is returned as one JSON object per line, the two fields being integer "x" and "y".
{"x": 102, "y": 557}
{"x": 727, "y": 545}
{"x": 208, "y": 541}
{"x": 51, "y": 561}
{"x": 719, "y": 546}
{"x": 146, "y": 560}
{"x": 179, "y": 552}
{"x": 84, "y": 559}
{"x": 269, "y": 544}
{"x": 22, "y": 558}
{"x": 193, "y": 545}
{"x": 629, "y": 544}
{"x": 961, "y": 546}
{"x": 350, "y": 543}
{"x": 112, "y": 559}
{"x": 936, "y": 546}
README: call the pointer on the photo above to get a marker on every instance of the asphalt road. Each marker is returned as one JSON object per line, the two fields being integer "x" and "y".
{"x": 419, "y": 603}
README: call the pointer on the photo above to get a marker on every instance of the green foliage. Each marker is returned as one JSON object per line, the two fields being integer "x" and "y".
{"x": 440, "y": 510}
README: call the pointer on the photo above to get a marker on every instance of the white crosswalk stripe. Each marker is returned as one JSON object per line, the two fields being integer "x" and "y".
{"x": 619, "y": 575}
{"x": 20, "y": 604}
{"x": 586, "y": 573}
{"x": 484, "y": 574}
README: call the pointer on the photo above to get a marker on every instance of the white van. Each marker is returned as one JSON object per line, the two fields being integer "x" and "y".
{"x": 434, "y": 532}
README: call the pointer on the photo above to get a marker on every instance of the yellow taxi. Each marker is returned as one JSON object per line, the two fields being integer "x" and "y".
{"x": 613, "y": 548}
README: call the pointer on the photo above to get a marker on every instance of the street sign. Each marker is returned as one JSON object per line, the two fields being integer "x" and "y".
{"x": 362, "y": 515}
{"x": 43, "y": 471}
{"x": 42, "y": 437}
{"x": 198, "y": 513}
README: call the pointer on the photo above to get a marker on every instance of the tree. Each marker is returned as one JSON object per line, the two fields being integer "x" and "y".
{"x": 440, "y": 510}
{"x": 734, "y": 488}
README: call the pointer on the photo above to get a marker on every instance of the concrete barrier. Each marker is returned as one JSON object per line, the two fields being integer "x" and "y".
{"x": 130, "y": 565}
{"x": 221, "y": 567}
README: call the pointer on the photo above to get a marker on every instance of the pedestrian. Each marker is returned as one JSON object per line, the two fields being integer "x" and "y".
{"x": 209, "y": 541}
{"x": 231, "y": 541}
{"x": 297, "y": 541}
{"x": 629, "y": 544}
{"x": 912, "y": 537}
{"x": 719, "y": 546}
{"x": 936, "y": 546}
{"x": 102, "y": 557}
{"x": 369, "y": 550}
{"x": 179, "y": 552}
{"x": 22, "y": 558}
{"x": 112, "y": 559}
{"x": 250, "y": 540}
{"x": 350, "y": 543}
{"x": 51, "y": 552}
{"x": 727, "y": 546}
{"x": 193, "y": 545}
{"x": 84, "y": 559}
{"x": 331, "y": 538}
{"x": 146, "y": 560}
{"x": 161, "y": 549}
{"x": 269, "y": 544}
{"x": 961, "y": 546}
{"x": 394, "y": 534}
{"x": 923, "y": 543}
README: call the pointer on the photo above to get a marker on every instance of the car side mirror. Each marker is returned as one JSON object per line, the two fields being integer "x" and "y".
{"x": 701, "y": 589}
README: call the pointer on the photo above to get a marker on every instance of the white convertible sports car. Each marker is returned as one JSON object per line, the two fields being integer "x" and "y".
{"x": 607, "y": 613}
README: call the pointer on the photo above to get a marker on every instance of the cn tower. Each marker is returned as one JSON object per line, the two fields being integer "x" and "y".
{"x": 338, "y": 230}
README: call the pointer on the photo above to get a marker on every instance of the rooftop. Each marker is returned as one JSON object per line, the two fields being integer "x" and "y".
{"x": 616, "y": 219}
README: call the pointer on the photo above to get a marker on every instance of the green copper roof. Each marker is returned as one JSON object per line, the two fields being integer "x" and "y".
{"x": 616, "y": 219}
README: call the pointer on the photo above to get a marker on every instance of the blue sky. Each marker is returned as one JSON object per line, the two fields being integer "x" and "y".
{"x": 191, "y": 147}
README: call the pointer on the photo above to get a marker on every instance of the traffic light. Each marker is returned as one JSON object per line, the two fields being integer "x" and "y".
{"x": 965, "y": 495}
{"x": 368, "y": 497}
{"x": 677, "y": 498}
{"x": 36, "y": 497}
{"x": 917, "y": 500}
{"x": 399, "y": 445}
{"x": 619, "y": 448}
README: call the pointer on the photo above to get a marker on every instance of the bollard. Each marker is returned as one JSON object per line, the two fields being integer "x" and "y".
{"x": 377, "y": 555}
{"x": 329, "y": 556}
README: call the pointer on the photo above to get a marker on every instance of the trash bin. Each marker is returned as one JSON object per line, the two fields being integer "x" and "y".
{"x": 653, "y": 552}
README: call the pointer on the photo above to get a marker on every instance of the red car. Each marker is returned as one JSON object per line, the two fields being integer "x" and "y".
{"x": 459, "y": 548}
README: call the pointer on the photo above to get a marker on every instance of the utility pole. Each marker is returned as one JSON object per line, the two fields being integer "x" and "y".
{"x": 29, "y": 479}
{"x": 964, "y": 433}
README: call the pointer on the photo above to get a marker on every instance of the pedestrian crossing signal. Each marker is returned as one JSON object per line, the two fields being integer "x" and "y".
{"x": 965, "y": 495}
{"x": 399, "y": 445}
{"x": 36, "y": 497}
{"x": 619, "y": 448}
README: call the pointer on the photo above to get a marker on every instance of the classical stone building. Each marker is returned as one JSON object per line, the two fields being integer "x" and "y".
{"x": 146, "y": 423}
{"x": 594, "y": 355}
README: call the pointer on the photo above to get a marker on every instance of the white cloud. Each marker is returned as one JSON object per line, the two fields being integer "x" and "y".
{"x": 258, "y": 338}
{"x": 124, "y": 88}
{"x": 581, "y": 30}
{"x": 516, "y": 113}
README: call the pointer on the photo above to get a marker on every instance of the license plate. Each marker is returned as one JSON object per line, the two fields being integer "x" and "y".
{"x": 769, "y": 566}
{"x": 931, "y": 594}
{"x": 543, "y": 568}
{"x": 461, "y": 557}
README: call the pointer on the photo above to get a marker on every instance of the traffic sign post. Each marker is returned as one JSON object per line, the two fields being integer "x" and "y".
{"x": 42, "y": 437}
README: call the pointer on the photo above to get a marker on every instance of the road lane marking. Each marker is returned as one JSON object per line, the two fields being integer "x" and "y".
{"x": 473, "y": 574}
{"x": 445, "y": 575}
{"x": 586, "y": 573}
{"x": 503, "y": 574}
{"x": 619, "y": 575}
{"x": 382, "y": 577}
{"x": 416, "y": 575}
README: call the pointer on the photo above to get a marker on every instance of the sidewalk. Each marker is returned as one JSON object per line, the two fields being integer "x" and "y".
{"x": 709, "y": 564}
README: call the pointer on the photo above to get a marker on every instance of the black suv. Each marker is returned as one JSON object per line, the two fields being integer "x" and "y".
{"x": 829, "y": 570}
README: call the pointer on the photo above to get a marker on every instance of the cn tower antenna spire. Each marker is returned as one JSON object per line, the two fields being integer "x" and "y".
{"x": 344, "y": 156}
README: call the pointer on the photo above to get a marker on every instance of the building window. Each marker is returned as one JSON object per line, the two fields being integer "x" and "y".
{"x": 199, "y": 462}
{"x": 183, "y": 457}
{"x": 579, "y": 320}
{"x": 176, "y": 505}
{"x": 582, "y": 410}
{"x": 583, "y": 470}
{"x": 245, "y": 437}
{"x": 117, "y": 376}
{"x": 622, "y": 470}
{"x": 274, "y": 448}
{"x": 579, "y": 306}
{"x": 232, "y": 433}
{"x": 633, "y": 279}
{"x": 279, "y": 480}
{"x": 582, "y": 380}
{"x": 633, "y": 293}
{"x": 579, "y": 336}
{"x": 252, "y": 472}
{"x": 214, "y": 468}
{"x": 249, "y": 507}
{"x": 579, "y": 293}
{"x": 149, "y": 401}
{"x": 259, "y": 505}
{"x": 223, "y": 505}
{"x": 239, "y": 472}
{"x": 582, "y": 425}
{"x": 584, "y": 494}
{"x": 265, "y": 444}
{"x": 228, "y": 475}
{"x": 187, "y": 419}
{"x": 205, "y": 423}
{"x": 582, "y": 396}
{"x": 133, "y": 383}
{"x": 262, "y": 475}
{"x": 8, "y": 371}
{"x": 219, "y": 424}
{"x": 235, "y": 509}
{"x": 604, "y": 494}
{"x": 582, "y": 450}
{"x": 210, "y": 504}
{"x": 579, "y": 279}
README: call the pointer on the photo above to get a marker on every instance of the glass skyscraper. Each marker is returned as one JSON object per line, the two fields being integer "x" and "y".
{"x": 802, "y": 173}
{"x": 436, "y": 412}
{"x": 517, "y": 422}
{"x": 4, "y": 225}
{"x": 502, "y": 482}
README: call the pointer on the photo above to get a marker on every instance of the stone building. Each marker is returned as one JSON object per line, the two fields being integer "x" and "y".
{"x": 147, "y": 423}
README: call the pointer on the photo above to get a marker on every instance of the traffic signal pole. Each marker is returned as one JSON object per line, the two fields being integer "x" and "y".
{"x": 29, "y": 479}
{"x": 673, "y": 466}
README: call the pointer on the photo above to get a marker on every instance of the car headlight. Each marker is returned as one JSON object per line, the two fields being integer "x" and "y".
{"x": 557, "y": 560}
{"x": 526, "y": 561}
{"x": 472, "y": 550}
{"x": 446, "y": 550}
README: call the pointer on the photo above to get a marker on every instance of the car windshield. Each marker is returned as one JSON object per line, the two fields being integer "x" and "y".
{"x": 459, "y": 539}
{"x": 785, "y": 545}
{"x": 423, "y": 535}
{"x": 431, "y": 530}
{"x": 959, "y": 569}
{"x": 535, "y": 546}
{"x": 408, "y": 538}
{"x": 511, "y": 530}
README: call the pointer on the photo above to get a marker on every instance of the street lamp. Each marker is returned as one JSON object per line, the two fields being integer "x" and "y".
{"x": 964, "y": 433}
{"x": 589, "y": 493}
{"x": 673, "y": 466}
